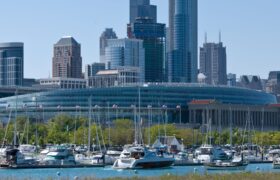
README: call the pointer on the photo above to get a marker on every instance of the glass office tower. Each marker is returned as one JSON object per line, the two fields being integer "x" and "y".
{"x": 153, "y": 36}
{"x": 183, "y": 32}
{"x": 126, "y": 52}
{"x": 142, "y": 9}
{"x": 11, "y": 64}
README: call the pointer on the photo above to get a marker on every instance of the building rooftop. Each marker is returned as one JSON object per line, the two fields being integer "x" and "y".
{"x": 11, "y": 44}
{"x": 108, "y": 72}
{"x": 67, "y": 41}
{"x": 203, "y": 102}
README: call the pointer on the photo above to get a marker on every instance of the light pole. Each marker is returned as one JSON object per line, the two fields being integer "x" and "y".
{"x": 180, "y": 115}
{"x": 116, "y": 108}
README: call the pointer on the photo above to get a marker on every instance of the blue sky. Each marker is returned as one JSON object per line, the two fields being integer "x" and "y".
{"x": 250, "y": 29}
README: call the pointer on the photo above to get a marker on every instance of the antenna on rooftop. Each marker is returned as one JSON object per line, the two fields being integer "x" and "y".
{"x": 220, "y": 36}
{"x": 205, "y": 36}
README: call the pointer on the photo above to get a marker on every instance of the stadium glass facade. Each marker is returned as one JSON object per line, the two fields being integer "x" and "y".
{"x": 122, "y": 101}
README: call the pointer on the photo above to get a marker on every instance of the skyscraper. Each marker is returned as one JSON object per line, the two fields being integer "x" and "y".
{"x": 142, "y": 9}
{"x": 93, "y": 69}
{"x": 182, "y": 58}
{"x": 213, "y": 63}
{"x": 126, "y": 52}
{"x": 67, "y": 60}
{"x": 153, "y": 36}
{"x": 11, "y": 64}
{"x": 107, "y": 34}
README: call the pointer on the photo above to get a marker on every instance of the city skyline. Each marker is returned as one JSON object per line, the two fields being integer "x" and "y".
{"x": 40, "y": 32}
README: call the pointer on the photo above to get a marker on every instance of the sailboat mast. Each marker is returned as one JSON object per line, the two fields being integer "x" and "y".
{"x": 15, "y": 125}
{"x": 230, "y": 125}
{"x": 139, "y": 116}
{"x": 89, "y": 124}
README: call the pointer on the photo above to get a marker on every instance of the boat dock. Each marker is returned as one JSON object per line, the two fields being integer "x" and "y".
{"x": 4, "y": 166}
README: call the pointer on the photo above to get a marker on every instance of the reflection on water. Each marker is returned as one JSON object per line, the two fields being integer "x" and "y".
{"x": 109, "y": 172}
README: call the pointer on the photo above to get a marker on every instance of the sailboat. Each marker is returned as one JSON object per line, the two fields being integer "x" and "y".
{"x": 227, "y": 164}
{"x": 12, "y": 156}
{"x": 137, "y": 156}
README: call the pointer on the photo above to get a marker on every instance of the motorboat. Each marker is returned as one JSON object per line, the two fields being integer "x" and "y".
{"x": 272, "y": 154}
{"x": 13, "y": 157}
{"x": 182, "y": 158}
{"x": 226, "y": 165}
{"x": 204, "y": 154}
{"x": 59, "y": 155}
{"x": 97, "y": 159}
{"x": 251, "y": 156}
{"x": 276, "y": 163}
{"x": 138, "y": 157}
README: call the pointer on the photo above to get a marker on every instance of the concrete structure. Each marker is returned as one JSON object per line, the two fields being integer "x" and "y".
{"x": 204, "y": 113}
{"x": 67, "y": 60}
{"x": 126, "y": 52}
{"x": 251, "y": 82}
{"x": 153, "y": 36}
{"x": 183, "y": 27}
{"x": 93, "y": 69}
{"x": 11, "y": 64}
{"x": 107, "y": 34}
{"x": 63, "y": 83}
{"x": 213, "y": 63}
{"x": 142, "y": 9}
{"x": 120, "y": 76}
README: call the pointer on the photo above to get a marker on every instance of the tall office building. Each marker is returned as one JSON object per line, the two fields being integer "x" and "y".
{"x": 142, "y": 9}
{"x": 213, "y": 63}
{"x": 182, "y": 58}
{"x": 107, "y": 34}
{"x": 126, "y": 52}
{"x": 231, "y": 80}
{"x": 67, "y": 60}
{"x": 93, "y": 69}
{"x": 11, "y": 64}
{"x": 153, "y": 36}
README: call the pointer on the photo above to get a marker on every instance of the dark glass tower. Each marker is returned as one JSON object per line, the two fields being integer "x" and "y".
{"x": 11, "y": 64}
{"x": 143, "y": 25}
{"x": 153, "y": 36}
{"x": 182, "y": 58}
{"x": 142, "y": 9}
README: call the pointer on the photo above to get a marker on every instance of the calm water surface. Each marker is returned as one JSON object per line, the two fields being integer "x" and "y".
{"x": 109, "y": 172}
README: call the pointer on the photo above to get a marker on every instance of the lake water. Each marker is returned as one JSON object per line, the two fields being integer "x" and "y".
{"x": 41, "y": 174}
